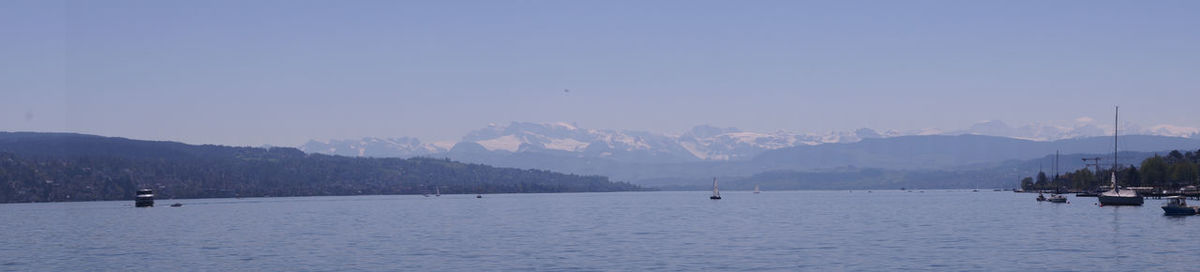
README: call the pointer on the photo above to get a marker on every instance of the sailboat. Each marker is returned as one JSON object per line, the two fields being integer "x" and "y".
{"x": 716, "y": 193}
{"x": 756, "y": 189}
{"x": 437, "y": 191}
{"x": 1116, "y": 196}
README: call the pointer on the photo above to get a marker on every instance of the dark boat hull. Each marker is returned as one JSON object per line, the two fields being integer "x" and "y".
{"x": 1179, "y": 210}
{"x": 143, "y": 202}
{"x": 1120, "y": 200}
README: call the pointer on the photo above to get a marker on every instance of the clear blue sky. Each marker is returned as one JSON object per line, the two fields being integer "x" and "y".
{"x": 283, "y": 72}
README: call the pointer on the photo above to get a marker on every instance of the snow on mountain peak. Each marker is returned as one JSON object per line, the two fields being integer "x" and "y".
{"x": 1174, "y": 131}
{"x": 703, "y": 142}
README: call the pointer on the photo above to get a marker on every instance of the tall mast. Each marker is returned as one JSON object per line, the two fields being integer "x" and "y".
{"x": 1056, "y": 165}
{"x": 1116, "y": 123}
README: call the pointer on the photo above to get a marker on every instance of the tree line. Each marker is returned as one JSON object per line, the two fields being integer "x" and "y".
{"x": 1175, "y": 170}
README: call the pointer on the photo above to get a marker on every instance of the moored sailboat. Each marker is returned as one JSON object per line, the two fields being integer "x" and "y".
{"x": 1116, "y": 196}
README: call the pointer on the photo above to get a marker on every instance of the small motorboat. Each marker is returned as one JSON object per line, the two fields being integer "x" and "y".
{"x": 1177, "y": 205}
{"x": 1041, "y": 197}
{"x": 479, "y": 196}
{"x": 177, "y": 204}
{"x": 1057, "y": 198}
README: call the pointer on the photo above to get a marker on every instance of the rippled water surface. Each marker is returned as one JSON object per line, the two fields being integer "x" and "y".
{"x": 787, "y": 231}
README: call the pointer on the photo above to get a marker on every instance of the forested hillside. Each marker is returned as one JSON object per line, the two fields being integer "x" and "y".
{"x": 37, "y": 167}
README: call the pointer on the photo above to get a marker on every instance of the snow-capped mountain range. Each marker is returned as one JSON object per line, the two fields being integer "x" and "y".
{"x": 701, "y": 143}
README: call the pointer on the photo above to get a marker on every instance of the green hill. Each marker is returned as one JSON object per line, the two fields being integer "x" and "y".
{"x": 41, "y": 167}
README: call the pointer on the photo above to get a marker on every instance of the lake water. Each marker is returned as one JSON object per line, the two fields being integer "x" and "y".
{"x": 785, "y": 231}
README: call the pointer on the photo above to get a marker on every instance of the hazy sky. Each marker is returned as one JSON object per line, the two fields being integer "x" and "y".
{"x": 283, "y": 72}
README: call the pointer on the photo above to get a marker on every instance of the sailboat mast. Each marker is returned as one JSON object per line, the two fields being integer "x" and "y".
{"x": 1116, "y": 123}
{"x": 715, "y": 192}
{"x": 1056, "y": 165}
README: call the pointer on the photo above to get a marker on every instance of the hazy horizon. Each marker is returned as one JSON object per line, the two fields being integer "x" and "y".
{"x": 285, "y": 72}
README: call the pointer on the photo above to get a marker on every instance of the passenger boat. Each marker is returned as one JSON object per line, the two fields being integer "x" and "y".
{"x": 144, "y": 198}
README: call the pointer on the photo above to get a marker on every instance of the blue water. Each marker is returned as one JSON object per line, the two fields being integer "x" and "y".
{"x": 784, "y": 231}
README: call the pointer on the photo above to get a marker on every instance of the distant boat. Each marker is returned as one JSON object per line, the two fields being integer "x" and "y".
{"x": 1116, "y": 196}
{"x": 144, "y": 198}
{"x": 437, "y": 191}
{"x": 1057, "y": 198}
{"x": 478, "y": 195}
{"x": 1177, "y": 205}
{"x": 177, "y": 205}
{"x": 716, "y": 193}
{"x": 756, "y": 189}
{"x": 1041, "y": 197}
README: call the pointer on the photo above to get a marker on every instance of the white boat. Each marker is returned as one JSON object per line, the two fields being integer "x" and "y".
{"x": 1177, "y": 205}
{"x": 437, "y": 191}
{"x": 1117, "y": 196}
{"x": 716, "y": 193}
{"x": 756, "y": 189}
{"x": 144, "y": 198}
{"x": 1057, "y": 198}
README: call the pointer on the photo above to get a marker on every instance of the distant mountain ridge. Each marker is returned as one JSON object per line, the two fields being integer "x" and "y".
{"x": 929, "y": 152}
{"x": 701, "y": 143}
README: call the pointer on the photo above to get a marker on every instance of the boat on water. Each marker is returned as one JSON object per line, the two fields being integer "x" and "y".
{"x": 437, "y": 191}
{"x": 1117, "y": 196}
{"x": 177, "y": 204}
{"x": 716, "y": 193}
{"x": 1041, "y": 197}
{"x": 144, "y": 198}
{"x": 756, "y": 189}
{"x": 1177, "y": 205}
{"x": 1057, "y": 198}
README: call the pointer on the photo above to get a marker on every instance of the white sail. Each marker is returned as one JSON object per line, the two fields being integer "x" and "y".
{"x": 756, "y": 188}
{"x": 716, "y": 193}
